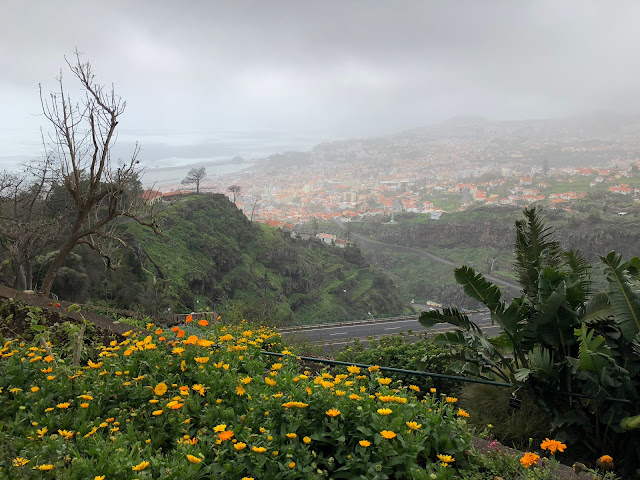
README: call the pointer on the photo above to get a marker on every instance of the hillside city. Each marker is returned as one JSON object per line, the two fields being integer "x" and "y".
{"x": 418, "y": 173}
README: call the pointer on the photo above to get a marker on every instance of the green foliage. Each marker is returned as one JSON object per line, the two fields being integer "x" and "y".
{"x": 404, "y": 352}
{"x": 212, "y": 253}
{"x": 212, "y": 406}
{"x": 489, "y": 405}
{"x": 563, "y": 339}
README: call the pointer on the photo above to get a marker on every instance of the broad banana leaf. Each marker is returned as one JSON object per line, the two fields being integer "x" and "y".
{"x": 624, "y": 295}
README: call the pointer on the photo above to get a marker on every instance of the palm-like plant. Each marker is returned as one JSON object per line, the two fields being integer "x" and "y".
{"x": 559, "y": 337}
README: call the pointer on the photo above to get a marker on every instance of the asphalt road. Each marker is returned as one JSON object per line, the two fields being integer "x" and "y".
{"x": 337, "y": 336}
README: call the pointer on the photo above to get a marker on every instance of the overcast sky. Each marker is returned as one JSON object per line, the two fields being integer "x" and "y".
{"x": 333, "y": 69}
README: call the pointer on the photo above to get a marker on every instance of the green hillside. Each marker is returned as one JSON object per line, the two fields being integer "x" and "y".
{"x": 212, "y": 256}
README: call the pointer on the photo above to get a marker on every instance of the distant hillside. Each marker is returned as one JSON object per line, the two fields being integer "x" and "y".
{"x": 210, "y": 255}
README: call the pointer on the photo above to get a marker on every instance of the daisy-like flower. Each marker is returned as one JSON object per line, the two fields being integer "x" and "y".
{"x": 333, "y": 412}
{"x": 220, "y": 428}
{"x": 553, "y": 446}
{"x": 193, "y": 459}
{"x": 19, "y": 462}
{"x": 451, "y": 399}
{"x": 462, "y": 413}
{"x": 226, "y": 435}
{"x": 306, "y": 440}
{"x": 387, "y": 434}
{"x": 291, "y": 435}
{"x": 384, "y": 381}
{"x": 353, "y": 370}
{"x": 385, "y": 411}
{"x": 259, "y": 449}
{"x": 141, "y": 466}
{"x": 414, "y": 425}
{"x": 160, "y": 389}
{"x": 364, "y": 443}
{"x": 529, "y": 459}
{"x": 239, "y": 446}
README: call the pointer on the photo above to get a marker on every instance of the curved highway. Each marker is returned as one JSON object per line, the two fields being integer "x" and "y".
{"x": 333, "y": 337}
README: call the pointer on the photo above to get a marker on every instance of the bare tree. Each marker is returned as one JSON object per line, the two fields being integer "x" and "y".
{"x": 82, "y": 140}
{"x": 234, "y": 189}
{"x": 195, "y": 175}
{"x": 255, "y": 204}
{"x": 27, "y": 225}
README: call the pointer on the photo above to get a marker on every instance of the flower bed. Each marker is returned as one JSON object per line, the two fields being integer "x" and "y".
{"x": 177, "y": 405}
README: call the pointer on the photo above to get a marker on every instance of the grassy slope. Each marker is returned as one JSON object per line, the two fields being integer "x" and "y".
{"x": 213, "y": 256}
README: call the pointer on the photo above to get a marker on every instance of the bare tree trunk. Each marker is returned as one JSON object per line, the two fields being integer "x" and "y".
{"x": 58, "y": 262}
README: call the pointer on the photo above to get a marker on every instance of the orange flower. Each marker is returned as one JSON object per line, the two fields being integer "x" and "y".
{"x": 226, "y": 435}
{"x": 364, "y": 443}
{"x": 203, "y": 323}
{"x": 605, "y": 462}
{"x": 529, "y": 459}
{"x": 180, "y": 333}
{"x": 553, "y": 446}
{"x": 189, "y": 319}
{"x": 333, "y": 412}
{"x": 388, "y": 434}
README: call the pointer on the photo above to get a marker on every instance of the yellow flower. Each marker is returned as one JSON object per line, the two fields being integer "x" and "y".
{"x": 86, "y": 397}
{"x": 445, "y": 458}
{"x": 364, "y": 443}
{"x": 385, "y": 411}
{"x": 248, "y": 478}
{"x": 414, "y": 425}
{"x": 239, "y": 446}
{"x": 269, "y": 381}
{"x": 99, "y": 477}
{"x": 353, "y": 369}
{"x": 63, "y": 405}
{"x": 84, "y": 405}
{"x": 45, "y": 468}
{"x": 276, "y": 366}
{"x": 292, "y": 465}
{"x": 20, "y": 462}
{"x": 240, "y": 390}
{"x": 306, "y": 440}
{"x": 193, "y": 459}
{"x": 333, "y": 412}
{"x": 35, "y": 389}
{"x": 160, "y": 389}
{"x": 291, "y": 435}
{"x": 432, "y": 390}
{"x": 415, "y": 388}
{"x": 42, "y": 431}
{"x": 246, "y": 380}
{"x": 66, "y": 434}
{"x": 259, "y": 449}
{"x": 462, "y": 413}
{"x": 387, "y": 434}
{"x": 220, "y": 428}
{"x": 384, "y": 381}
{"x": 141, "y": 466}
{"x": 529, "y": 459}
{"x": 553, "y": 446}
{"x": 157, "y": 412}
{"x": 354, "y": 396}
{"x": 201, "y": 360}
{"x": 295, "y": 404}
{"x": 374, "y": 368}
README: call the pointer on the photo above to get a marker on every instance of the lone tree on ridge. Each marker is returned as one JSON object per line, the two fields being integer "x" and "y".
{"x": 195, "y": 175}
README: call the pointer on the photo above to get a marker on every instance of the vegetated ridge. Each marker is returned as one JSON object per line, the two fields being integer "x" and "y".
{"x": 211, "y": 255}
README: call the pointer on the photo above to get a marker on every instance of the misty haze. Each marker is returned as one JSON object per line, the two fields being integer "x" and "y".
{"x": 307, "y": 240}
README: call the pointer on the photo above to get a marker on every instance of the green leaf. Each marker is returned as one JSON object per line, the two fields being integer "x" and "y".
{"x": 477, "y": 287}
{"x": 630, "y": 423}
{"x": 624, "y": 295}
{"x": 74, "y": 308}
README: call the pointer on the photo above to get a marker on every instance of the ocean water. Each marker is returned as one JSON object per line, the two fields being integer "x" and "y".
{"x": 167, "y": 157}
